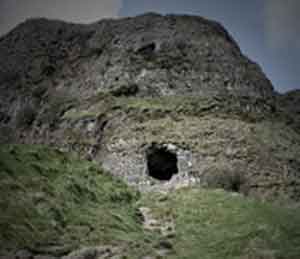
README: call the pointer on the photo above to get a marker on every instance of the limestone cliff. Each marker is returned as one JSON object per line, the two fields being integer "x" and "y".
{"x": 161, "y": 101}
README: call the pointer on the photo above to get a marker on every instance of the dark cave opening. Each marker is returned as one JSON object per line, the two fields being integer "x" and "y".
{"x": 235, "y": 187}
{"x": 161, "y": 163}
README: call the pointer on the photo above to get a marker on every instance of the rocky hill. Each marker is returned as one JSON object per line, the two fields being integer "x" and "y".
{"x": 162, "y": 103}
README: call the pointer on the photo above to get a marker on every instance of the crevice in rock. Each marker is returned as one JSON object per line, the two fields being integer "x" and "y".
{"x": 147, "y": 49}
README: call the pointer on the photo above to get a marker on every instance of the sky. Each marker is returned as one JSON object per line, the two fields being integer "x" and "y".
{"x": 268, "y": 31}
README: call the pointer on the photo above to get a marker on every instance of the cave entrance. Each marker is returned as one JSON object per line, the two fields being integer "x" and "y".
{"x": 161, "y": 163}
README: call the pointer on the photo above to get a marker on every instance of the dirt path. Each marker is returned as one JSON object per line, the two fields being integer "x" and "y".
{"x": 166, "y": 227}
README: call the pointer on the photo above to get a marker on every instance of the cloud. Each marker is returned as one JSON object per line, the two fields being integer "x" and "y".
{"x": 13, "y": 12}
{"x": 282, "y": 25}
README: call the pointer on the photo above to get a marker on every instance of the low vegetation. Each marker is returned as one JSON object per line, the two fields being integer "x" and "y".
{"x": 214, "y": 224}
{"x": 55, "y": 203}
{"x": 51, "y": 199}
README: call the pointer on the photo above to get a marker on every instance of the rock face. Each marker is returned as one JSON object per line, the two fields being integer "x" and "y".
{"x": 289, "y": 104}
{"x": 115, "y": 90}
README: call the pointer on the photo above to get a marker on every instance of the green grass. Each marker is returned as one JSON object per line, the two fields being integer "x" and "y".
{"x": 216, "y": 224}
{"x": 160, "y": 107}
{"x": 49, "y": 198}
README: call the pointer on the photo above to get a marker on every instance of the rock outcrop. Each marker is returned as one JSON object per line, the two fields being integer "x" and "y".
{"x": 288, "y": 103}
{"x": 115, "y": 90}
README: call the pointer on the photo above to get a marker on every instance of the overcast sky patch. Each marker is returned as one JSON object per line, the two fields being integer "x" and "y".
{"x": 282, "y": 24}
{"x": 15, "y": 11}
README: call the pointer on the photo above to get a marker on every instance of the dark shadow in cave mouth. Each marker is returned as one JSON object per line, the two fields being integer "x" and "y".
{"x": 161, "y": 163}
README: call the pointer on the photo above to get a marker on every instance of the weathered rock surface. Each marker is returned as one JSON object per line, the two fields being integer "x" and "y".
{"x": 112, "y": 90}
{"x": 94, "y": 253}
{"x": 289, "y": 104}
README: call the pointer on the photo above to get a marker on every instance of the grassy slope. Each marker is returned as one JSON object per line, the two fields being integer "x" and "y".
{"x": 48, "y": 198}
{"x": 216, "y": 224}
